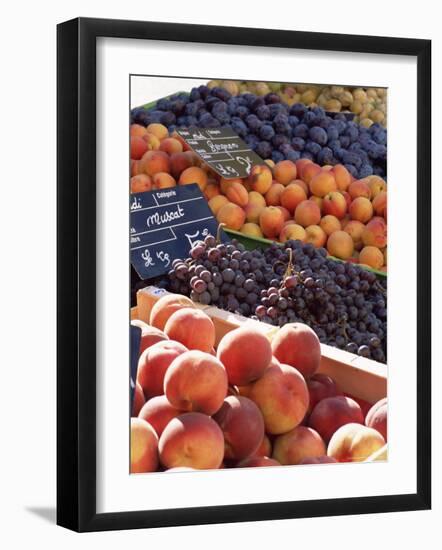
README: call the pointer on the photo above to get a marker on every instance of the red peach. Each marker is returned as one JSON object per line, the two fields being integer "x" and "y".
{"x": 165, "y": 307}
{"x": 333, "y": 412}
{"x": 354, "y": 443}
{"x": 258, "y": 462}
{"x": 140, "y": 183}
{"x": 143, "y": 447}
{"x": 192, "y": 328}
{"x": 138, "y": 400}
{"x": 158, "y": 412}
{"x": 137, "y": 147}
{"x": 300, "y": 443}
{"x": 377, "y": 417}
{"x": 320, "y": 386}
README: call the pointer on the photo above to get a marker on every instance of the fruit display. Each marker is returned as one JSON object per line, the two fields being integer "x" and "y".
{"x": 274, "y": 129}
{"x": 343, "y": 304}
{"x": 200, "y": 408}
{"x": 368, "y": 105}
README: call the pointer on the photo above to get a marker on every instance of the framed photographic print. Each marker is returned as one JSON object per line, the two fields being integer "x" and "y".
{"x": 231, "y": 326}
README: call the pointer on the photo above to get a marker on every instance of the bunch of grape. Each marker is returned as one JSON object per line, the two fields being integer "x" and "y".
{"x": 344, "y": 304}
{"x": 275, "y": 130}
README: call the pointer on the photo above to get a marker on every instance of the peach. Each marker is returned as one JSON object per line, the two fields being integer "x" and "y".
{"x": 135, "y": 168}
{"x": 307, "y": 213}
{"x": 323, "y": 183}
{"x": 273, "y": 195}
{"x": 224, "y": 183}
{"x": 309, "y": 171}
{"x": 137, "y": 147}
{"x": 355, "y": 230}
{"x": 285, "y": 213}
{"x": 192, "y": 328}
{"x": 375, "y": 233}
{"x": 377, "y": 417}
{"x": 320, "y": 386}
{"x": 293, "y": 231}
{"x": 329, "y": 224}
{"x": 334, "y": 203}
{"x": 340, "y": 245}
{"x": 215, "y": 203}
{"x": 282, "y": 396}
{"x": 345, "y": 221}
{"x": 265, "y": 447}
{"x": 301, "y": 184}
{"x": 315, "y": 235}
{"x": 192, "y": 440}
{"x": 149, "y": 335}
{"x": 284, "y": 171}
{"x": 242, "y": 425}
{"x": 232, "y": 215}
{"x": 257, "y": 462}
{"x": 165, "y": 307}
{"x": 365, "y": 405}
{"x": 245, "y": 353}
{"x": 153, "y": 364}
{"x": 143, "y": 447}
{"x": 291, "y": 196}
{"x": 171, "y": 145}
{"x": 300, "y": 163}
{"x": 347, "y": 198}
{"x": 155, "y": 161}
{"x": 158, "y": 130}
{"x": 377, "y": 185}
{"x": 253, "y": 212}
{"x": 319, "y": 460}
{"x": 140, "y": 183}
{"x": 137, "y": 130}
{"x": 260, "y": 178}
{"x": 158, "y": 412}
{"x": 297, "y": 345}
{"x": 361, "y": 209}
{"x": 163, "y": 180}
{"x": 211, "y": 190}
{"x": 379, "y": 203}
{"x": 256, "y": 199}
{"x": 318, "y": 201}
{"x": 271, "y": 221}
{"x": 359, "y": 188}
{"x": 237, "y": 194}
{"x": 252, "y": 230}
{"x": 193, "y": 175}
{"x": 342, "y": 177}
{"x": 196, "y": 381}
{"x": 354, "y": 443}
{"x": 152, "y": 142}
{"x": 297, "y": 444}
{"x": 371, "y": 256}
{"x": 178, "y": 163}
{"x": 138, "y": 400}
{"x": 333, "y": 412}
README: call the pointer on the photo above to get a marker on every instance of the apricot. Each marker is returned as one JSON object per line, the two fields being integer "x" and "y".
{"x": 215, "y": 203}
{"x": 334, "y": 203}
{"x": 371, "y": 256}
{"x": 152, "y": 142}
{"x": 158, "y": 412}
{"x": 140, "y": 183}
{"x": 242, "y": 425}
{"x": 284, "y": 171}
{"x": 252, "y": 212}
{"x": 333, "y": 412}
{"x": 359, "y": 188}
{"x": 138, "y": 400}
{"x": 315, "y": 235}
{"x": 297, "y": 444}
{"x": 377, "y": 417}
{"x": 291, "y": 196}
{"x": 285, "y": 213}
{"x": 340, "y": 245}
{"x": 178, "y": 163}
{"x": 377, "y": 185}
{"x": 143, "y": 447}
{"x": 271, "y": 221}
{"x": 380, "y": 203}
{"x": 354, "y": 443}
{"x": 301, "y": 184}
{"x": 323, "y": 183}
{"x": 153, "y": 364}
{"x": 318, "y": 201}
{"x": 329, "y": 224}
{"x": 158, "y": 130}
{"x": 232, "y": 215}
{"x": 192, "y": 328}
{"x": 155, "y": 161}
{"x": 137, "y": 130}
{"x": 165, "y": 307}
{"x": 245, "y": 353}
{"x": 300, "y": 164}
{"x": 320, "y": 386}
{"x": 297, "y": 345}
{"x": 237, "y": 194}
{"x": 375, "y": 233}
{"x": 342, "y": 177}
{"x": 135, "y": 168}
{"x": 293, "y": 231}
{"x": 193, "y": 175}
{"x": 224, "y": 183}
{"x": 282, "y": 397}
{"x": 137, "y": 147}
{"x": 256, "y": 199}
{"x": 192, "y": 440}
{"x": 260, "y": 178}
{"x": 196, "y": 381}
{"x": 355, "y": 230}
{"x": 251, "y": 230}
{"x": 307, "y": 213}
{"x": 170, "y": 146}
{"x": 163, "y": 180}
{"x": 211, "y": 190}
{"x": 361, "y": 209}
{"x": 257, "y": 462}
{"x": 273, "y": 195}
{"x": 309, "y": 171}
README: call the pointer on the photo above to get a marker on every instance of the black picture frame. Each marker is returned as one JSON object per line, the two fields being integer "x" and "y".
{"x": 76, "y": 273}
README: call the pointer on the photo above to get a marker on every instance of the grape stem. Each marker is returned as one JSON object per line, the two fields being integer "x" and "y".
{"x": 218, "y": 232}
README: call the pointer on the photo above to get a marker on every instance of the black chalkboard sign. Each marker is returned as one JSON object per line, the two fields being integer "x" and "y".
{"x": 164, "y": 225}
{"x": 222, "y": 150}
{"x": 135, "y": 338}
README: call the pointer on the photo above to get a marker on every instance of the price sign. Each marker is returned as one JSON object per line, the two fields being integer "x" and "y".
{"x": 165, "y": 224}
{"x": 222, "y": 149}
{"x": 135, "y": 339}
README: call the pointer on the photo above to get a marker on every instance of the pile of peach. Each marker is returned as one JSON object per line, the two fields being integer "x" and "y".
{"x": 243, "y": 405}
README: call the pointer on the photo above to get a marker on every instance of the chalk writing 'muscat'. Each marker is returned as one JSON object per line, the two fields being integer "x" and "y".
{"x": 165, "y": 217}
{"x": 216, "y": 147}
